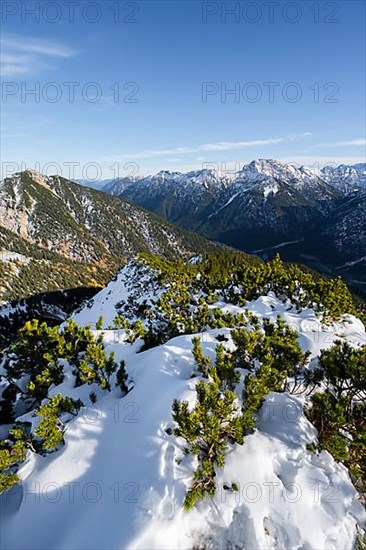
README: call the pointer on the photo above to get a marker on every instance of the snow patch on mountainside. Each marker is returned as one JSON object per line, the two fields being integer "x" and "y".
{"x": 224, "y": 205}
{"x": 6, "y": 256}
{"x": 271, "y": 189}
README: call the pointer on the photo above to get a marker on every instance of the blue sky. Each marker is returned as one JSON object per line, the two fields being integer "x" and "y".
{"x": 296, "y": 69}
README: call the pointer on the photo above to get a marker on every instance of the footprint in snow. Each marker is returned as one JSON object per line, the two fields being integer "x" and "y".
{"x": 169, "y": 462}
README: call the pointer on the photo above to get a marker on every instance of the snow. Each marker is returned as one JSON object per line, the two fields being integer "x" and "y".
{"x": 6, "y": 309}
{"x": 107, "y": 302}
{"x": 195, "y": 260}
{"x": 12, "y": 256}
{"x": 345, "y": 177}
{"x": 279, "y": 479}
{"x": 233, "y": 197}
{"x": 270, "y": 189}
{"x": 349, "y": 264}
{"x": 270, "y": 170}
{"x": 268, "y": 176}
{"x": 117, "y": 483}
{"x": 180, "y": 183}
{"x": 280, "y": 245}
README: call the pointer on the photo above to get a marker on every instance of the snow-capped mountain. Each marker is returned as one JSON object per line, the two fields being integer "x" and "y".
{"x": 116, "y": 186}
{"x": 302, "y": 179}
{"x": 265, "y": 205}
{"x": 191, "y": 181}
{"x": 346, "y": 178}
{"x": 259, "y": 195}
{"x": 341, "y": 238}
{"x": 193, "y": 199}
{"x": 176, "y": 196}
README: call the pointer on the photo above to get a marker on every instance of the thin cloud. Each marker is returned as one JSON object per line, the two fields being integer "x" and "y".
{"x": 22, "y": 55}
{"x": 206, "y": 147}
{"x": 349, "y": 143}
{"x": 232, "y": 145}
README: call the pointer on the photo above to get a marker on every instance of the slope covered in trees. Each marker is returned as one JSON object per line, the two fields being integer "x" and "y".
{"x": 60, "y": 243}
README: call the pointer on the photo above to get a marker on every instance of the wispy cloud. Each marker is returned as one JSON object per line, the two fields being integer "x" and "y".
{"x": 232, "y": 145}
{"x": 22, "y": 55}
{"x": 206, "y": 147}
{"x": 349, "y": 143}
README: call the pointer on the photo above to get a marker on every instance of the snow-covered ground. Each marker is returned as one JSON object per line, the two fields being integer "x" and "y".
{"x": 6, "y": 309}
{"x": 12, "y": 256}
{"x": 120, "y": 480}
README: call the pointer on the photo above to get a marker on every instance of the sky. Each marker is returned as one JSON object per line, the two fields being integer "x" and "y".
{"x": 109, "y": 89}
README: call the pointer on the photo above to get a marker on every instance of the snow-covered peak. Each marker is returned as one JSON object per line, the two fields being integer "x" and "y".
{"x": 266, "y": 167}
{"x": 260, "y": 169}
{"x": 191, "y": 183}
{"x": 265, "y": 175}
{"x": 346, "y": 177}
{"x": 194, "y": 176}
{"x": 311, "y": 172}
{"x": 341, "y": 178}
{"x": 167, "y": 174}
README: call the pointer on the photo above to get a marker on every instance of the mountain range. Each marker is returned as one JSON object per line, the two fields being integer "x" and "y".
{"x": 317, "y": 217}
